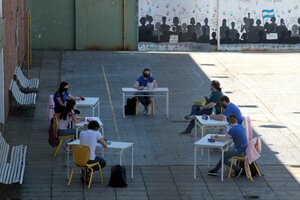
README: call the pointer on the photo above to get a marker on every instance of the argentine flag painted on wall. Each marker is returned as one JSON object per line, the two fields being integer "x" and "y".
{"x": 267, "y": 14}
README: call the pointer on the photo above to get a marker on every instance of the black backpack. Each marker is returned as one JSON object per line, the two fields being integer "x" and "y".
{"x": 253, "y": 170}
{"x": 118, "y": 176}
{"x": 130, "y": 106}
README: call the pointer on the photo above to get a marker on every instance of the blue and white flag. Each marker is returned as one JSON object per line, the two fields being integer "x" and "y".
{"x": 268, "y": 14}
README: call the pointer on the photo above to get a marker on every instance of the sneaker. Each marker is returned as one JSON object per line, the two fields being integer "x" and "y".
{"x": 145, "y": 111}
{"x": 238, "y": 172}
{"x": 148, "y": 111}
{"x": 189, "y": 117}
{"x": 212, "y": 172}
{"x": 185, "y": 132}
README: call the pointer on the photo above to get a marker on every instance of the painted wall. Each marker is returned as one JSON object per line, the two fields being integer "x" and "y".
{"x": 53, "y": 25}
{"x": 177, "y": 24}
{"x": 84, "y": 24}
{"x": 244, "y": 24}
{"x": 260, "y": 24}
{"x": 106, "y": 24}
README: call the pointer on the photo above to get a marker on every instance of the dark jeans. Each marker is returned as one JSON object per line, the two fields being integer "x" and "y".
{"x": 145, "y": 100}
{"x": 196, "y": 111}
{"x": 65, "y": 132}
{"x": 100, "y": 160}
{"x": 227, "y": 155}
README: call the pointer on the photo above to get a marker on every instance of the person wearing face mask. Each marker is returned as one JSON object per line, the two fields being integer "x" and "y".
{"x": 229, "y": 109}
{"x": 144, "y": 82}
{"x": 61, "y": 96}
{"x": 212, "y": 101}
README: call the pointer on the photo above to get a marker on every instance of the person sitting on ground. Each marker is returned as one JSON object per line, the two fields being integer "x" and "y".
{"x": 211, "y": 102}
{"x": 68, "y": 115}
{"x": 91, "y": 137}
{"x": 61, "y": 96}
{"x": 144, "y": 82}
{"x": 238, "y": 135}
{"x": 229, "y": 109}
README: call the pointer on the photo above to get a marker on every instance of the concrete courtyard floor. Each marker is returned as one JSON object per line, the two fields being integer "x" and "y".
{"x": 266, "y": 86}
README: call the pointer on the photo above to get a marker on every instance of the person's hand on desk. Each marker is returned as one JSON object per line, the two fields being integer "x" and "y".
{"x": 140, "y": 88}
{"x": 220, "y": 138}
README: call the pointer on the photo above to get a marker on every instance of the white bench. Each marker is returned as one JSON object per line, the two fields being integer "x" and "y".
{"x": 27, "y": 85}
{"x": 12, "y": 171}
{"x": 23, "y": 99}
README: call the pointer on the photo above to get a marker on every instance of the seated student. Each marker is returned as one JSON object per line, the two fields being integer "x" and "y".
{"x": 238, "y": 135}
{"x": 61, "y": 96}
{"x": 68, "y": 115}
{"x": 212, "y": 101}
{"x": 90, "y": 138}
{"x": 229, "y": 109}
{"x": 143, "y": 82}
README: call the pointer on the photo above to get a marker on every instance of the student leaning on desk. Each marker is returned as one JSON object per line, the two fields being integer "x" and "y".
{"x": 238, "y": 135}
{"x": 91, "y": 137}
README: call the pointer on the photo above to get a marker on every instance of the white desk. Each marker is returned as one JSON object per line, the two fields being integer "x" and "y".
{"x": 203, "y": 123}
{"x": 203, "y": 142}
{"x": 93, "y": 102}
{"x": 113, "y": 145}
{"x": 86, "y": 122}
{"x": 130, "y": 92}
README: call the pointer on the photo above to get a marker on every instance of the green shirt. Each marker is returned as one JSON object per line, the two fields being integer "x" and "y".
{"x": 215, "y": 97}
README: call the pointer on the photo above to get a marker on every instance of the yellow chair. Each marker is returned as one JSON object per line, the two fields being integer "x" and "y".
{"x": 242, "y": 159}
{"x": 60, "y": 138}
{"x": 137, "y": 105}
{"x": 81, "y": 155}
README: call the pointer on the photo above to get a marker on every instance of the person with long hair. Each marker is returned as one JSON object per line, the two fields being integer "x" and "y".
{"x": 61, "y": 96}
{"x": 213, "y": 101}
{"x": 65, "y": 118}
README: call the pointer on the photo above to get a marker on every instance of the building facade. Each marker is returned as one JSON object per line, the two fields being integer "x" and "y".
{"x": 12, "y": 49}
{"x": 167, "y": 25}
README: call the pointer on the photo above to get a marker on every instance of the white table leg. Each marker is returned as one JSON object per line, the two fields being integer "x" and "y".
{"x": 123, "y": 107}
{"x": 222, "y": 166}
{"x": 196, "y": 129}
{"x": 208, "y": 158}
{"x": 93, "y": 111}
{"x": 121, "y": 155}
{"x": 195, "y": 161}
{"x": 132, "y": 162}
{"x": 202, "y": 130}
{"x": 68, "y": 161}
{"x": 167, "y": 104}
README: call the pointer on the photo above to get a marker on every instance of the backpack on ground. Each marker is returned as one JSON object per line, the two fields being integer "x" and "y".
{"x": 52, "y": 132}
{"x": 118, "y": 176}
{"x": 130, "y": 106}
{"x": 253, "y": 169}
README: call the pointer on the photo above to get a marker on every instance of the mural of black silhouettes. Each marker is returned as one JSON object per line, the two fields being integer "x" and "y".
{"x": 254, "y": 32}
{"x": 161, "y": 31}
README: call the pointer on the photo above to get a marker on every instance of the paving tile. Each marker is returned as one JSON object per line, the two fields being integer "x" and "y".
{"x": 164, "y": 159}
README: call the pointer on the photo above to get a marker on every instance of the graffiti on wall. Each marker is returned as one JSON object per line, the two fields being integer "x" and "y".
{"x": 177, "y": 21}
{"x": 260, "y": 21}
{"x": 193, "y": 24}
